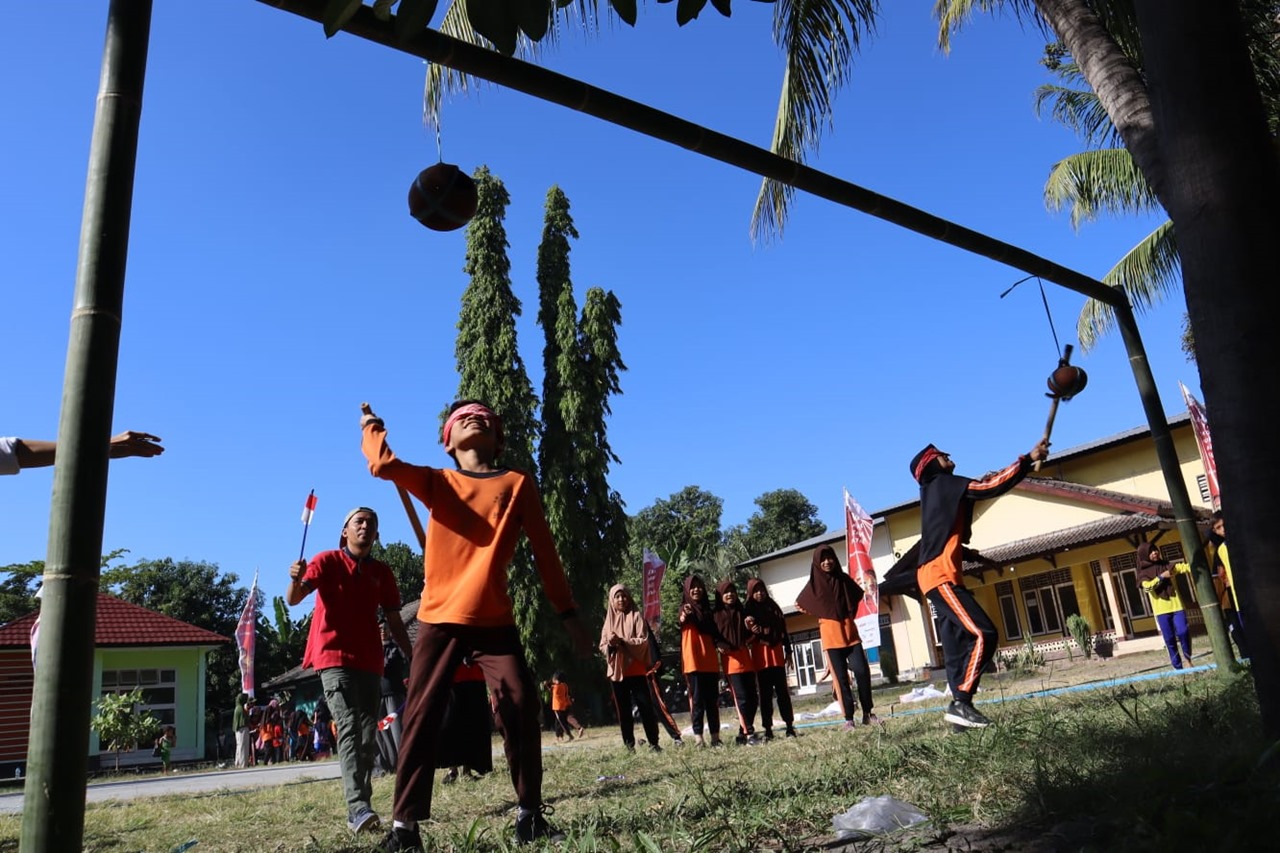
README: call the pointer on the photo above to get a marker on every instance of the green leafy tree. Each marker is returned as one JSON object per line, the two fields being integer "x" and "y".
{"x": 490, "y": 369}
{"x": 581, "y": 367}
{"x": 120, "y": 724}
{"x": 785, "y": 517}
{"x": 280, "y": 641}
{"x": 406, "y": 564}
{"x": 18, "y": 590}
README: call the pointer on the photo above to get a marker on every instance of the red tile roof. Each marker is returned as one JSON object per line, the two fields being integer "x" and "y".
{"x": 122, "y": 624}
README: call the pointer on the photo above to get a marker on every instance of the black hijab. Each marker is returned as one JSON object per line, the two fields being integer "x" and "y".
{"x": 729, "y": 617}
{"x": 766, "y": 614}
{"x": 829, "y": 595}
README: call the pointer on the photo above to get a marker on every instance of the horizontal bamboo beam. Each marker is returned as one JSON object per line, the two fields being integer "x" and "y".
{"x": 624, "y": 112}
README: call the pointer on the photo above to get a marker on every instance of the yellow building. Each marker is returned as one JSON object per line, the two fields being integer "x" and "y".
{"x": 1061, "y": 542}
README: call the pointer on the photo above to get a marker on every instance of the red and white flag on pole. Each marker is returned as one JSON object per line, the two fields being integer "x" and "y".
{"x": 247, "y": 637}
{"x": 654, "y": 569}
{"x": 309, "y": 509}
{"x": 858, "y": 528}
{"x": 1200, "y": 423}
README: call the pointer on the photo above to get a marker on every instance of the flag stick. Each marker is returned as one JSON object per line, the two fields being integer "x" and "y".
{"x": 306, "y": 524}
{"x": 409, "y": 509}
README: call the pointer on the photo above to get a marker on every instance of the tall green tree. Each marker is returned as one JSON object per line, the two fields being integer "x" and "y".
{"x": 490, "y": 369}
{"x": 580, "y": 366}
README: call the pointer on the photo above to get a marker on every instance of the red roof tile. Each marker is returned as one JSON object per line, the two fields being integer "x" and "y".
{"x": 122, "y": 624}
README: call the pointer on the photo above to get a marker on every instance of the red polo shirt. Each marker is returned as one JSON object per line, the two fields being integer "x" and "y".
{"x": 344, "y": 627}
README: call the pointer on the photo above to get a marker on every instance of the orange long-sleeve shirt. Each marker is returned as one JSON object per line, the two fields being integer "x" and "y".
{"x": 476, "y": 521}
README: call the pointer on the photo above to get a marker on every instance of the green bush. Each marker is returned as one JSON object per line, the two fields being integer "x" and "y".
{"x": 1025, "y": 661}
{"x": 1081, "y": 632}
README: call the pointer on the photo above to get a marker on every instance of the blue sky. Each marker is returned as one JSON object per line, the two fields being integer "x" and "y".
{"x": 276, "y": 279}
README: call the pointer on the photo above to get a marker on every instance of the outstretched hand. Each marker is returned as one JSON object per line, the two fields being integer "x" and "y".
{"x": 1040, "y": 452}
{"x": 130, "y": 443}
{"x": 367, "y": 416}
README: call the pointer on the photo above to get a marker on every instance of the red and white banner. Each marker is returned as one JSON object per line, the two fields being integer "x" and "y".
{"x": 858, "y": 527}
{"x": 1200, "y": 423}
{"x": 247, "y": 637}
{"x": 654, "y": 569}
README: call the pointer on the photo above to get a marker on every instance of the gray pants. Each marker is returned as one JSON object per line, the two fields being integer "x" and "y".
{"x": 353, "y": 697}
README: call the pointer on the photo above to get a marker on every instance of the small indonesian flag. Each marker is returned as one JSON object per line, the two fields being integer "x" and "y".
{"x": 385, "y": 722}
{"x": 309, "y": 509}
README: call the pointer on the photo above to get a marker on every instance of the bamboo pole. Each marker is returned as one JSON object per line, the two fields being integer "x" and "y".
{"x": 57, "y": 754}
{"x": 1183, "y": 513}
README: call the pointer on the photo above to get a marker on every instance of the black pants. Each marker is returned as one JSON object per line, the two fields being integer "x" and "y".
{"x": 634, "y": 689}
{"x": 968, "y": 638}
{"x": 746, "y": 698}
{"x": 704, "y": 700}
{"x": 660, "y": 708}
{"x": 773, "y": 683}
{"x": 841, "y": 662}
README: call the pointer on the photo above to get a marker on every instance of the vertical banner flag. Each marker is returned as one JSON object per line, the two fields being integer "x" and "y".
{"x": 654, "y": 569}
{"x": 857, "y": 536}
{"x": 1200, "y": 423}
{"x": 246, "y": 637}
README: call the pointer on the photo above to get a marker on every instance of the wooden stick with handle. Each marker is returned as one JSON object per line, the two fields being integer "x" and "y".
{"x": 409, "y": 509}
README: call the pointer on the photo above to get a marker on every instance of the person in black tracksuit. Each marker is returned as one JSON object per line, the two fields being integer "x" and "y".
{"x": 946, "y": 513}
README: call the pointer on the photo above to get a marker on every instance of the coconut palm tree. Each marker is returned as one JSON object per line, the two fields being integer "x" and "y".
{"x": 1106, "y": 180}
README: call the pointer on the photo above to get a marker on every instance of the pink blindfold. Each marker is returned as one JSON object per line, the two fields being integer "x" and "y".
{"x": 467, "y": 411}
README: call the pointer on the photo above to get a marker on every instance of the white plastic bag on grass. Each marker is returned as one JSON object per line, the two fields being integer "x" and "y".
{"x": 874, "y": 816}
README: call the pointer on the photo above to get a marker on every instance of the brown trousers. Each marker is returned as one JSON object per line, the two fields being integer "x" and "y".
{"x": 436, "y": 655}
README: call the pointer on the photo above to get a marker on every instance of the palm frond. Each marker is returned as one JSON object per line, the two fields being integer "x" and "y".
{"x": 953, "y": 14}
{"x": 1080, "y": 111}
{"x": 819, "y": 39}
{"x": 579, "y": 15}
{"x": 1094, "y": 182}
{"x": 1147, "y": 273}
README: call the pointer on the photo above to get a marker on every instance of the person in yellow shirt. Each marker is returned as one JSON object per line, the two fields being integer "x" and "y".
{"x": 1225, "y": 582}
{"x": 1157, "y": 576}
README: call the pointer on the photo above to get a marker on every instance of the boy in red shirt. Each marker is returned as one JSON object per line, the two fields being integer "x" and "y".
{"x": 477, "y": 515}
{"x": 345, "y": 647}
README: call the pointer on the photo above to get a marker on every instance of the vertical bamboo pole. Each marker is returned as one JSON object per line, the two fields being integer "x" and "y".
{"x": 57, "y": 754}
{"x": 1183, "y": 514}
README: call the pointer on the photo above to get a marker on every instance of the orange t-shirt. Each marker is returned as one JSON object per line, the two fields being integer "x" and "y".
{"x": 738, "y": 660}
{"x": 838, "y": 633}
{"x": 946, "y": 567}
{"x": 476, "y": 521}
{"x": 560, "y": 700}
{"x": 697, "y": 651}
{"x": 766, "y": 655}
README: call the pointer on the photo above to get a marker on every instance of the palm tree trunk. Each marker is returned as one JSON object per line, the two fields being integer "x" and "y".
{"x": 1223, "y": 178}
{"x": 1118, "y": 85}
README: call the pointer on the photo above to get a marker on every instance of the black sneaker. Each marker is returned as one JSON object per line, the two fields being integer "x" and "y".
{"x": 401, "y": 840}
{"x": 791, "y": 731}
{"x": 532, "y": 825}
{"x": 964, "y": 714}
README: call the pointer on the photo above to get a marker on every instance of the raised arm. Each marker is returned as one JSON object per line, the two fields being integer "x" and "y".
{"x": 383, "y": 464}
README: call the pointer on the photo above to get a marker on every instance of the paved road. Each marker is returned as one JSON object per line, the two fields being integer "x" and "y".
{"x": 194, "y": 783}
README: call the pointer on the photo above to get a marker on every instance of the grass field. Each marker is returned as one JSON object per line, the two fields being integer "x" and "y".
{"x": 1167, "y": 764}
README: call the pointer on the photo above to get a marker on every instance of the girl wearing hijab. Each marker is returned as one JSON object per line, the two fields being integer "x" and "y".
{"x": 698, "y": 658}
{"x": 1156, "y": 575}
{"x": 735, "y": 646}
{"x": 770, "y": 653}
{"x": 624, "y": 640}
{"x": 833, "y": 596}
